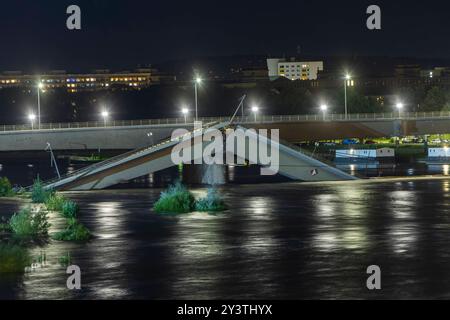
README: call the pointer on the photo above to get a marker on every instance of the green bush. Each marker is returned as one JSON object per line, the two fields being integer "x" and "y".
{"x": 212, "y": 202}
{"x": 65, "y": 260}
{"x": 28, "y": 225}
{"x": 176, "y": 199}
{"x": 4, "y": 227}
{"x": 75, "y": 231}
{"x": 38, "y": 193}
{"x": 55, "y": 202}
{"x": 69, "y": 209}
{"x": 13, "y": 259}
{"x": 5, "y": 188}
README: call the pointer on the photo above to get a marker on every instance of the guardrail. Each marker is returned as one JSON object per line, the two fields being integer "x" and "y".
{"x": 241, "y": 119}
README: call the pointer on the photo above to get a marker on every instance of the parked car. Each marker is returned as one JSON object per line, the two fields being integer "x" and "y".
{"x": 349, "y": 141}
{"x": 370, "y": 142}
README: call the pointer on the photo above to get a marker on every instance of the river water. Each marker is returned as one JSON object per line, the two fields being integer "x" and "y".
{"x": 280, "y": 240}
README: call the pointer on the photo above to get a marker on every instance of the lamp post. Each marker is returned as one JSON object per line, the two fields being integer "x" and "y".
{"x": 32, "y": 117}
{"x": 347, "y": 78}
{"x": 255, "y": 110}
{"x": 399, "y": 107}
{"x": 39, "y": 88}
{"x": 150, "y": 135}
{"x": 197, "y": 82}
{"x": 185, "y": 112}
{"x": 323, "y": 108}
{"x": 105, "y": 115}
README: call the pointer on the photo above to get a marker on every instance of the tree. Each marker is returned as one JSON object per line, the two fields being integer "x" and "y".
{"x": 436, "y": 99}
{"x": 357, "y": 102}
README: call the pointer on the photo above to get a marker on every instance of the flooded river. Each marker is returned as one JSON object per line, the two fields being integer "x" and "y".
{"x": 280, "y": 240}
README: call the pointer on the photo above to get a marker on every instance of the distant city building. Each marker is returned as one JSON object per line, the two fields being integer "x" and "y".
{"x": 97, "y": 80}
{"x": 293, "y": 70}
{"x": 253, "y": 74}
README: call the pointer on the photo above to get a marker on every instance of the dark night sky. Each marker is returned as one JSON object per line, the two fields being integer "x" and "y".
{"x": 125, "y": 33}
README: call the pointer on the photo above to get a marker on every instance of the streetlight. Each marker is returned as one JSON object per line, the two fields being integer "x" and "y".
{"x": 399, "y": 107}
{"x": 324, "y": 108}
{"x": 40, "y": 86}
{"x": 32, "y": 117}
{"x": 197, "y": 82}
{"x": 185, "y": 112}
{"x": 150, "y": 135}
{"x": 255, "y": 110}
{"x": 347, "y": 78}
{"x": 105, "y": 115}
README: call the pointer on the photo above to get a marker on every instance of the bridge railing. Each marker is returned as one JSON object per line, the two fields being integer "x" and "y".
{"x": 240, "y": 119}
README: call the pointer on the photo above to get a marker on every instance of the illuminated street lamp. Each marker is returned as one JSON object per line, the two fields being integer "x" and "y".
{"x": 40, "y": 86}
{"x": 324, "y": 109}
{"x": 105, "y": 115}
{"x": 32, "y": 118}
{"x": 347, "y": 78}
{"x": 185, "y": 112}
{"x": 197, "y": 82}
{"x": 255, "y": 110}
{"x": 150, "y": 135}
{"x": 399, "y": 107}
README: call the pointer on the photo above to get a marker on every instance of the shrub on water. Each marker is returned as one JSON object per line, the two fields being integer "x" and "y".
{"x": 75, "y": 231}
{"x": 28, "y": 225}
{"x": 38, "y": 193}
{"x": 69, "y": 209}
{"x": 212, "y": 202}
{"x": 55, "y": 202}
{"x": 5, "y": 187}
{"x": 176, "y": 199}
{"x": 65, "y": 260}
{"x": 13, "y": 259}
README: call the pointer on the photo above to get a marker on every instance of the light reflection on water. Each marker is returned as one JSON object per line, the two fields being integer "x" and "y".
{"x": 286, "y": 240}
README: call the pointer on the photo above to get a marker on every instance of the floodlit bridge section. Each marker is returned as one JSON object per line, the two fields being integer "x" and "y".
{"x": 133, "y": 134}
{"x": 292, "y": 162}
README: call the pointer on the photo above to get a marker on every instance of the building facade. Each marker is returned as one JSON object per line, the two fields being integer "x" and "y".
{"x": 97, "y": 80}
{"x": 293, "y": 70}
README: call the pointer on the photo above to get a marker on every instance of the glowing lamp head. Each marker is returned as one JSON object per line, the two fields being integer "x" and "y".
{"x": 40, "y": 85}
{"x": 323, "y": 107}
{"x": 105, "y": 114}
{"x": 32, "y": 117}
{"x": 198, "y": 80}
{"x": 185, "y": 111}
{"x": 255, "y": 109}
{"x": 347, "y": 77}
{"x": 399, "y": 106}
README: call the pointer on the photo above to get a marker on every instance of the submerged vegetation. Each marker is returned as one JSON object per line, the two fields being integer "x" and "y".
{"x": 74, "y": 231}
{"x": 212, "y": 202}
{"x": 69, "y": 209}
{"x": 6, "y": 189}
{"x": 13, "y": 258}
{"x": 65, "y": 260}
{"x": 178, "y": 199}
{"x": 38, "y": 193}
{"x": 30, "y": 225}
{"x": 55, "y": 202}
